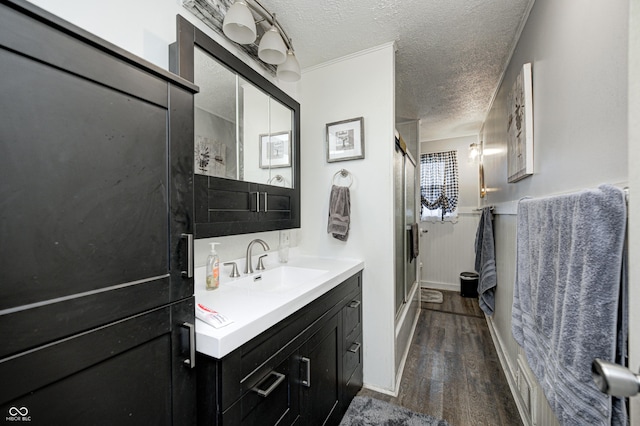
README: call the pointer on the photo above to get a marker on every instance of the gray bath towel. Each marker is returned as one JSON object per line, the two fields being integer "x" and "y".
{"x": 339, "y": 212}
{"x": 566, "y": 294}
{"x": 486, "y": 262}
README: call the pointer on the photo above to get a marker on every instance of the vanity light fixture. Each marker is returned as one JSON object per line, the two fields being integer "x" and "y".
{"x": 272, "y": 49}
{"x": 275, "y": 46}
{"x": 473, "y": 151}
{"x": 290, "y": 69}
{"x": 239, "y": 25}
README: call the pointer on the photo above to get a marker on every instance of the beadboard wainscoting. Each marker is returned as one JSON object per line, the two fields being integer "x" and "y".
{"x": 447, "y": 249}
{"x": 532, "y": 404}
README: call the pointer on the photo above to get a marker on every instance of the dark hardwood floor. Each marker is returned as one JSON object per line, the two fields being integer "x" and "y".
{"x": 452, "y": 370}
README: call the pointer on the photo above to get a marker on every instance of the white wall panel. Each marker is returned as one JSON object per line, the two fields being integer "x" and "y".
{"x": 446, "y": 250}
{"x": 539, "y": 413}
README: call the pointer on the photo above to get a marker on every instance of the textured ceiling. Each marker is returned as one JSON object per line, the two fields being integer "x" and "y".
{"x": 450, "y": 58}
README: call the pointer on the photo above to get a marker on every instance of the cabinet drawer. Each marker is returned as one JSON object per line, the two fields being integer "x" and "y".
{"x": 352, "y": 356}
{"x": 353, "y": 386}
{"x": 352, "y": 314}
{"x": 268, "y": 402}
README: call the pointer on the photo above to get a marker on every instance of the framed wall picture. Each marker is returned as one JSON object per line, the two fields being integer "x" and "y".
{"x": 520, "y": 127}
{"x": 345, "y": 140}
{"x": 275, "y": 150}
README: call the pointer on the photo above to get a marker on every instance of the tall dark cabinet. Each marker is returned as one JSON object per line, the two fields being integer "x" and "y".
{"x": 96, "y": 223}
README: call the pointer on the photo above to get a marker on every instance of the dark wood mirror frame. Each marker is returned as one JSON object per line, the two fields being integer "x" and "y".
{"x": 227, "y": 206}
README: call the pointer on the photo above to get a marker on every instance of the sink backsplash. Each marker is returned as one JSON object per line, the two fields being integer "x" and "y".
{"x": 235, "y": 246}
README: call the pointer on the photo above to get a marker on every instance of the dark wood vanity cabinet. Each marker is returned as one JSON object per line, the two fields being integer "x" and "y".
{"x": 304, "y": 370}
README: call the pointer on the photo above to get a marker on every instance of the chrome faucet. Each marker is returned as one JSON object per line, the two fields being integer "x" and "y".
{"x": 248, "y": 268}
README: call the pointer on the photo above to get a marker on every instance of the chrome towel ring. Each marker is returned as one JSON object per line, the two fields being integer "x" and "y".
{"x": 342, "y": 173}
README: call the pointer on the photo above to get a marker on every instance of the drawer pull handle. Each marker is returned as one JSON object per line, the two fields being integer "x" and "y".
{"x": 354, "y": 348}
{"x": 354, "y": 304}
{"x": 189, "y": 272}
{"x": 307, "y": 381}
{"x": 266, "y": 392}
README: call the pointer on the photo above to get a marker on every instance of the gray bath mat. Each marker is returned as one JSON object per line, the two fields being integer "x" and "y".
{"x": 369, "y": 411}
{"x": 431, "y": 296}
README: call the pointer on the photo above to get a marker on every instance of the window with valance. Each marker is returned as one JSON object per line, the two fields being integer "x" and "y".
{"x": 439, "y": 185}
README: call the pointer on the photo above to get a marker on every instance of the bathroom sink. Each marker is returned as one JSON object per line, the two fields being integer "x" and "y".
{"x": 278, "y": 279}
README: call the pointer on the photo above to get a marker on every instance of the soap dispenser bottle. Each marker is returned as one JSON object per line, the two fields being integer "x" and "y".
{"x": 213, "y": 268}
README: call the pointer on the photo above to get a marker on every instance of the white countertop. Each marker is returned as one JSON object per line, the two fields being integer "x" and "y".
{"x": 253, "y": 312}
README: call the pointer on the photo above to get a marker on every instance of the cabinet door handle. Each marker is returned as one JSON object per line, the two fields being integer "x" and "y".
{"x": 266, "y": 392}
{"x": 266, "y": 209}
{"x": 354, "y": 348}
{"x": 307, "y": 381}
{"x": 354, "y": 304}
{"x": 191, "y": 329}
{"x": 257, "y": 201}
{"x": 189, "y": 272}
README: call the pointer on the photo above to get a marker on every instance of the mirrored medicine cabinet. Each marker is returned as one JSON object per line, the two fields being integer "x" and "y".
{"x": 246, "y": 144}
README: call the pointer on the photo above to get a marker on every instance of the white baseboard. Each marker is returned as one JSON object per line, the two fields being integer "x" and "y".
{"x": 381, "y": 390}
{"x": 440, "y": 286}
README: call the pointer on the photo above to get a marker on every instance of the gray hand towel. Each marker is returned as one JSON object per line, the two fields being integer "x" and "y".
{"x": 339, "y": 212}
{"x": 566, "y": 297}
{"x": 414, "y": 242}
{"x": 486, "y": 262}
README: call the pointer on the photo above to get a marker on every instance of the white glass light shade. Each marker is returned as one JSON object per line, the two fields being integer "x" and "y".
{"x": 272, "y": 49}
{"x": 238, "y": 23}
{"x": 290, "y": 69}
{"x": 473, "y": 151}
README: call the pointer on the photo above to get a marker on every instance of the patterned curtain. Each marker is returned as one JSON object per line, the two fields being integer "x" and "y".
{"x": 439, "y": 182}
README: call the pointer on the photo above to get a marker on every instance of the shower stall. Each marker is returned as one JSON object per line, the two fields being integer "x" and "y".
{"x": 407, "y": 295}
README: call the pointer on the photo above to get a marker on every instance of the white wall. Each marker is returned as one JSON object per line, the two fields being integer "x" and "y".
{"x": 447, "y": 249}
{"x": 579, "y": 68}
{"x": 358, "y": 85}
